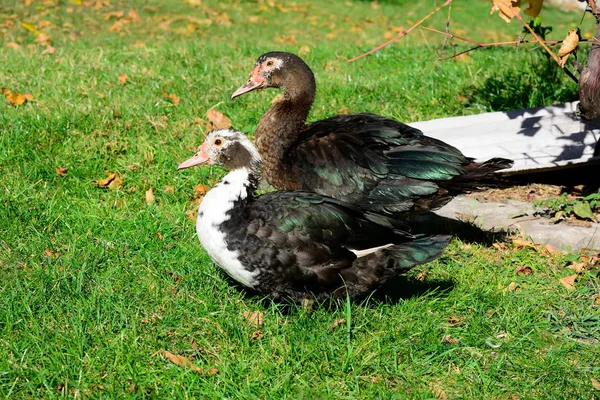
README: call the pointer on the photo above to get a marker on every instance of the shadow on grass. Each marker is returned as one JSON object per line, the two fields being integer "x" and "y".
{"x": 431, "y": 223}
{"x": 401, "y": 287}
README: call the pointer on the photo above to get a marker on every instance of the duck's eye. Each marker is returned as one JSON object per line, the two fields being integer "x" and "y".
{"x": 270, "y": 63}
{"x": 218, "y": 142}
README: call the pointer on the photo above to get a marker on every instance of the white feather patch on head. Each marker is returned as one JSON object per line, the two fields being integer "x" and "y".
{"x": 231, "y": 135}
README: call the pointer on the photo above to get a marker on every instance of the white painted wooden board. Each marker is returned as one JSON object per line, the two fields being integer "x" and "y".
{"x": 535, "y": 138}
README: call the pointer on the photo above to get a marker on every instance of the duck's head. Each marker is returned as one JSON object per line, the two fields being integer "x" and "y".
{"x": 281, "y": 70}
{"x": 225, "y": 147}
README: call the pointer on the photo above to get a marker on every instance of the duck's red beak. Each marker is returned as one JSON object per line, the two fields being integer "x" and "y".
{"x": 199, "y": 158}
{"x": 256, "y": 81}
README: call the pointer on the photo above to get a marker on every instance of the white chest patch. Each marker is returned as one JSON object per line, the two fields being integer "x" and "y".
{"x": 213, "y": 212}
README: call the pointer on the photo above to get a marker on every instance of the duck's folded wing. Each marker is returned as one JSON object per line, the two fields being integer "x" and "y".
{"x": 302, "y": 220}
{"x": 353, "y": 156}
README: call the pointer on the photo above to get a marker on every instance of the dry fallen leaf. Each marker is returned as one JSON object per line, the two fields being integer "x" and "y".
{"x": 169, "y": 189}
{"x": 123, "y": 79}
{"x": 304, "y": 50}
{"x": 13, "y": 45}
{"x": 454, "y": 321}
{"x": 200, "y": 190}
{"x": 337, "y": 323}
{"x": 450, "y": 339}
{"x": 569, "y": 281}
{"x": 597, "y": 299}
{"x": 506, "y": 8}
{"x": 499, "y": 246}
{"x": 595, "y": 384}
{"x": 577, "y": 267}
{"x": 548, "y": 248}
{"x": 50, "y": 254}
{"x": 112, "y": 181}
{"x": 16, "y": 99}
{"x": 173, "y": 98}
{"x": 523, "y": 270}
{"x": 149, "y": 196}
{"x": 43, "y": 39}
{"x": 160, "y": 236}
{"x": 522, "y": 243}
{"x": 511, "y": 287}
{"x": 175, "y": 277}
{"x": 569, "y": 45}
{"x": 185, "y": 362}
{"x": 535, "y": 6}
{"x": 61, "y": 171}
{"x": 257, "y": 335}
{"x": 256, "y": 318}
{"x": 192, "y": 214}
{"x": 49, "y": 50}
{"x": 217, "y": 119}
{"x": 438, "y": 392}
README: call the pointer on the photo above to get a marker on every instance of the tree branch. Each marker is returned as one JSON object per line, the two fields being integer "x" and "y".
{"x": 537, "y": 38}
{"x": 401, "y": 34}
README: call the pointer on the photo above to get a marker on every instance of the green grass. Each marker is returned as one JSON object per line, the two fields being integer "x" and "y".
{"x": 87, "y": 317}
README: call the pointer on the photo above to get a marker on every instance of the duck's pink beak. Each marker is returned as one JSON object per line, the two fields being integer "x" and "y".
{"x": 199, "y": 158}
{"x": 256, "y": 81}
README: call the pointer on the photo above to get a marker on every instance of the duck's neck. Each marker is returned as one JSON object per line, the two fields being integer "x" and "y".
{"x": 221, "y": 214}
{"x": 228, "y": 197}
{"x": 278, "y": 130}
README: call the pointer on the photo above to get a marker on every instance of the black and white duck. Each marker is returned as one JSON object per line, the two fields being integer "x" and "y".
{"x": 295, "y": 244}
{"x": 374, "y": 162}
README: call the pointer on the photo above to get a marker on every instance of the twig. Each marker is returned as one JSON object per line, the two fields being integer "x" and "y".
{"x": 518, "y": 16}
{"x": 453, "y": 36}
{"x": 441, "y": 49}
{"x": 401, "y": 34}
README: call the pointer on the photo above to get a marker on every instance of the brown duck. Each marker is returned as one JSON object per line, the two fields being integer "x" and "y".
{"x": 377, "y": 163}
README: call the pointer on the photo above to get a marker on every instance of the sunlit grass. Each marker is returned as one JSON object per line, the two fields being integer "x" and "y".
{"x": 95, "y": 282}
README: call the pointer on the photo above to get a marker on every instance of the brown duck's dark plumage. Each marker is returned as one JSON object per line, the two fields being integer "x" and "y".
{"x": 377, "y": 163}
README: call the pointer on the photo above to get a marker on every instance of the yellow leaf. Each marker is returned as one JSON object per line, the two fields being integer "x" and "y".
{"x": 535, "y": 6}
{"x": 16, "y": 99}
{"x": 569, "y": 281}
{"x": 506, "y": 8}
{"x": 29, "y": 27}
{"x": 217, "y": 119}
{"x": 569, "y": 45}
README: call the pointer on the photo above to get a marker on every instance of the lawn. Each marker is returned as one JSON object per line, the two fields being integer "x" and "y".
{"x": 97, "y": 283}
